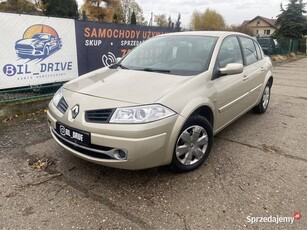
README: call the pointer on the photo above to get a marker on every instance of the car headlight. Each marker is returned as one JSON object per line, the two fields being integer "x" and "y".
{"x": 57, "y": 96}
{"x": 141, "y": 114}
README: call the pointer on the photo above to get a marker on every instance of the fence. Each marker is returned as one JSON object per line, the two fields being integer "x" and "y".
{"x": 27, "y": 93}
{"x": 286, "y": 46}
{"x": 281, "y": 46}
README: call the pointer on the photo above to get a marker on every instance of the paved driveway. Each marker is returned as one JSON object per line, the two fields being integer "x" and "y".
{"x": 258, "y": 168}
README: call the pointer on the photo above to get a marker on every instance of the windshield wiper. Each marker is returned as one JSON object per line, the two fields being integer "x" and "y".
{"x": 116, "y": 65}
{"x": 156, "y": 70}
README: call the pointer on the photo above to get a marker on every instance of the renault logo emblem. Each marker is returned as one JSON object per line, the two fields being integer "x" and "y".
{"x": 75, "y": 111}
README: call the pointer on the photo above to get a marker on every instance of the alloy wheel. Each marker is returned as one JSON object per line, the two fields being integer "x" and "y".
{"x": 191, "y": 145}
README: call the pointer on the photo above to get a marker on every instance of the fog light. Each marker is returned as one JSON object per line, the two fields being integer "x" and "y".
{"x": 120, "y": 154}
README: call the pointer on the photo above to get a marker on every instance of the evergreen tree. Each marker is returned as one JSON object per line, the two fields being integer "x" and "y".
{"x": 133, "y": 18}
{"x": 178, "y": 23}
{"x": 291, "y": 21}
{"x": 169, "y": 21}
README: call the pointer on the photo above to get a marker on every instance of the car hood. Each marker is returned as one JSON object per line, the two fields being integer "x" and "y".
{"x": 29, "y": 41}
{"x": 131, "y": 86}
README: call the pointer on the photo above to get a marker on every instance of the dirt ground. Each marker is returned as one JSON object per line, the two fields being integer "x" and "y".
{"x": 257, "y": 168}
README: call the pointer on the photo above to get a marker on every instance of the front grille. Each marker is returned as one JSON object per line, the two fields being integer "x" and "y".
{"x": 99, "y": 116}
{"x": 62, "y": 106}
{"x": 25, "y": 51}
{"x": 24, "y": 46}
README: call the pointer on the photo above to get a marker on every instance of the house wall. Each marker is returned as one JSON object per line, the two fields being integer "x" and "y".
{"x": 261, "y": 28}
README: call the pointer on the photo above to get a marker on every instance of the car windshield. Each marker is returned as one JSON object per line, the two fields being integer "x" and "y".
{"x": 41, "y": 36}
{"x": 179, "y": 55}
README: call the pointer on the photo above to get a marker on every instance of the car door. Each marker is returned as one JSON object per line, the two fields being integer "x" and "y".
{"x": 231, "y": 89}
{"x": 254, "y": 70}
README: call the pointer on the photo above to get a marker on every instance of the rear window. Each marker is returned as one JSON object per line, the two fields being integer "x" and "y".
{"x": 258, "y": 49}
{"x": 249, "y": 50}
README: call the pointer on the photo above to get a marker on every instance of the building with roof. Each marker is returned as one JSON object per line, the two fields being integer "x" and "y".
{"x": 261, "y": 26}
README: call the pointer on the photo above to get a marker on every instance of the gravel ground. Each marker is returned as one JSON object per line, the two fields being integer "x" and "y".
{"x": 257, "y": 168}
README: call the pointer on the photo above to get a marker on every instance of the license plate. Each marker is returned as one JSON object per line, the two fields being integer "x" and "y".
{"x": 73, "y": 135}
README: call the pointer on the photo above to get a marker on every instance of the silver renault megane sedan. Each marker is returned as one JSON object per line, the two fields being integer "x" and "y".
{"x": 163, "y": 102}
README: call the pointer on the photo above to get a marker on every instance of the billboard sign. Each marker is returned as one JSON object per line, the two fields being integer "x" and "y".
{"x": 36, "y": 50}
{"x": 99, "y": 44}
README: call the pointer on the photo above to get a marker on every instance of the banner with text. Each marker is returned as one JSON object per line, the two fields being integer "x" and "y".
{"x": 36, "y": 50}
{"x": 99, "y": 44}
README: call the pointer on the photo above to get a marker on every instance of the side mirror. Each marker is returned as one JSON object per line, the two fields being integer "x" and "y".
{"x": 231, "y": 68}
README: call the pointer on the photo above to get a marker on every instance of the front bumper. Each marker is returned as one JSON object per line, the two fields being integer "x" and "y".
{"x": 30, "y": 52}
{"x": 146, "y": 145}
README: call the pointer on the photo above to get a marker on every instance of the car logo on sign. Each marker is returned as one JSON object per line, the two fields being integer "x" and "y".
{"x": 75, "y": 111}
{"x": 62, "y": 130}
{"x": 38, "y": 42}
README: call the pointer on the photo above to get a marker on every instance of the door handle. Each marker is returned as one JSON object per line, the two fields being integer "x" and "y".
{"x": 245, "y": 78}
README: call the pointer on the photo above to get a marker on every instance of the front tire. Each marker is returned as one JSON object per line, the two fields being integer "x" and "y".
{"x": 46, "y": 52}
{"x": 193, "y": 144}
{"x": 264, "y": 102}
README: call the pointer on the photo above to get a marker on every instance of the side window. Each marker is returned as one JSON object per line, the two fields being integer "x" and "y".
{"x": 259, "y": 54}
{"x": 249, "y": 50}
{"x": 230, "y": 52}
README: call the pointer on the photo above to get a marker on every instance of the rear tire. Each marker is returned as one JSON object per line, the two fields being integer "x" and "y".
{"x": 264, "y": 102}
{"x": 46, "y": 52}
{"x": 193, "y": 144}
